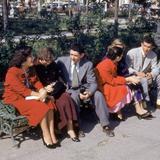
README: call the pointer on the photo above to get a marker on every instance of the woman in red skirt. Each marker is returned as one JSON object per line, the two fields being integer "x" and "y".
{"x": 49, "y": 74}
{"x": 28, "y": 96}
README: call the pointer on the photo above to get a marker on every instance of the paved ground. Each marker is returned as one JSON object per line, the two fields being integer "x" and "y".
{"x": 135, "y": 140}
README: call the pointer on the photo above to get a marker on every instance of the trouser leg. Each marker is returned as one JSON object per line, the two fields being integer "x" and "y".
{"x": 144, "y": 83}
{"x": 75, "y": 97}
{"x": 101, "y": 108}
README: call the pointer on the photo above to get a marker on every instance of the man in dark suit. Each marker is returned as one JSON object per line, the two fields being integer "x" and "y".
{"x": 77, "y": 71}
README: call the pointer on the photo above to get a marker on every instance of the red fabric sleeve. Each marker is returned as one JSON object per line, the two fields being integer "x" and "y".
{"x": 106, "y": 72}
{"x": 14, "y": 81}
{"x": 36, "y": 83}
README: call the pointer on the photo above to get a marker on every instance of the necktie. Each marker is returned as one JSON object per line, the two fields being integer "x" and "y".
{"x": 75, "y": 81}
{"x": 143, "y": 59}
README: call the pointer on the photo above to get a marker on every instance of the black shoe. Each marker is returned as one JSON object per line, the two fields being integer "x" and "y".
{"x": 146, "y": 116}
{"x": 51, "y": 146}
{"x": 75, "y": 139}
{"x": 79, "y": 132}
{"x": 109, "y": 132}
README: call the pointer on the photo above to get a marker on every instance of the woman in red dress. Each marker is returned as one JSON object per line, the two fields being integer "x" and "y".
{"x": 18, "y": 87}
{"x": 114, "y": 87}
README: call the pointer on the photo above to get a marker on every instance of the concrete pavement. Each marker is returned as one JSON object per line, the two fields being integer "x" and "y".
{"x": 134, "y": 140}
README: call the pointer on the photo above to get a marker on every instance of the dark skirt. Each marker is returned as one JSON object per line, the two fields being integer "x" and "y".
{"x": 66, "y": 110}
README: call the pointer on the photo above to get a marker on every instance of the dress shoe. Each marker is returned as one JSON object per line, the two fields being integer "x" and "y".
{"x": 51, "y": 146}
{"x": 109, "y": 132}
{"x": 79, "y": 132}
{"x": 75, "y": 139}
{"x": 147, "y": 116}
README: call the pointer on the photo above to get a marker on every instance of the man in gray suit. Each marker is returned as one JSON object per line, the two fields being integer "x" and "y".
{"x": 142, "y": 61}
{"x": 77, "y": 71}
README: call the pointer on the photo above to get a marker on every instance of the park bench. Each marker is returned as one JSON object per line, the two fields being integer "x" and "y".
{"x": 11, "y": 122}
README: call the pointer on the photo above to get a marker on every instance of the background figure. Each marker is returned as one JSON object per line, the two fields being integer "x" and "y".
{"x": 17, "y": 88}
{"x": 48, "y": 73}
{"x": 77, "y": 72}
{"x": 114, "y": 87}
{"x": 142, "y": 62}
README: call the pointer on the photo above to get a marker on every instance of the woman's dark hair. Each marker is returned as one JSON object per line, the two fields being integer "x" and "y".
{"x": 114, "y": 52}
{"x": 77, "y": 47}
{"x": 20, "y": 56}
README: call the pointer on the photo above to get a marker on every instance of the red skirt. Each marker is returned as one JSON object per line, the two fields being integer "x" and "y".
{"x": 33, "y": 110}
{"x": 66, "y": 110}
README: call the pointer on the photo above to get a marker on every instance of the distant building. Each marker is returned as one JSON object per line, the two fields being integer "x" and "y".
{"x": 124, "y": 2}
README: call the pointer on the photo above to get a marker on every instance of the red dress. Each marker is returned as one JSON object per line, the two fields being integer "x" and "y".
{"x": 16, "y": 91}
{"x": 112, "y": 86}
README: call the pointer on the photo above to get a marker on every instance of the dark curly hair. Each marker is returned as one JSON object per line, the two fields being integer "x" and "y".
{"x": 20, "y": 56}
{"x": 114, "y": 52}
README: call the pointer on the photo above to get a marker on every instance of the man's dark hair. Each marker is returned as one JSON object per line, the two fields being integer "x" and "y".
{"x": 114, "y": 52}
{"x": 148, "y": 39}
{"x": 77, "y": 47}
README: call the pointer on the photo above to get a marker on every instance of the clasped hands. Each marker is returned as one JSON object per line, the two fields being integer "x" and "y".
{"x": 86, "y": 95}
{"x": 148, "y": 75}
{"x": 135, "y": 79}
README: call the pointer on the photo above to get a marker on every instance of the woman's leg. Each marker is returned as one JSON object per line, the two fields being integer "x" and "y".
{"x": 70, "y": 129}
{"x": 51, "y": 126}
{"x": 45, "y": 130}
{"x": 139, "y": 108}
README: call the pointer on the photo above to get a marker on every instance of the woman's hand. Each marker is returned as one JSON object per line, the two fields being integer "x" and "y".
{"x": 42, "y": 94}
{"x": 133, "y": 79}
{"x": 49, "y": 88}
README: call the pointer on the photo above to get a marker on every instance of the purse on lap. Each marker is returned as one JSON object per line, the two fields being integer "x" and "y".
{"x": 59, "y": 88}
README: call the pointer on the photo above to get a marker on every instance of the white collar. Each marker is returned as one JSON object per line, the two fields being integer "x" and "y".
{"x": 77, "y": 64}
{"x": 143, "y": 54}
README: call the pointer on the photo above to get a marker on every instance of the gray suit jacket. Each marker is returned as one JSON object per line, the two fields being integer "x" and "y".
{"x": 134, "y": 62}
{"x": 86, "y": 74}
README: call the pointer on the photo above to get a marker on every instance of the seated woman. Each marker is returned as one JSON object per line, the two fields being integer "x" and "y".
{"x": 17, "y": 89}
{"x": 114, "y": 87}
{"x": 48, "y": 74}
{"x": 122, "y": 68}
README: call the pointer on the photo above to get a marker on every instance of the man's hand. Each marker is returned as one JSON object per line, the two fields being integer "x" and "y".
{"x": 85, "y": 95}
{"x": 149, "y": 75}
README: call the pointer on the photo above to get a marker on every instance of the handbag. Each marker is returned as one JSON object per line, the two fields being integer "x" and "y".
{"x": 58, "y": 89}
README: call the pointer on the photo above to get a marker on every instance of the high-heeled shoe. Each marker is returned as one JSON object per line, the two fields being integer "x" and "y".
{"x": 74, "y": 139}
{"x": 51, "y": 146}
{"x": 147, "y": 116}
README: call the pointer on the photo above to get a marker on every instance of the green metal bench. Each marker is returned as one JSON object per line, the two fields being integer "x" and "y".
{"x": 11, "y": 122}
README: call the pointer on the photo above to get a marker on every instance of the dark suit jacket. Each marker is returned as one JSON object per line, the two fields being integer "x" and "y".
{"x": 86, "y": 74}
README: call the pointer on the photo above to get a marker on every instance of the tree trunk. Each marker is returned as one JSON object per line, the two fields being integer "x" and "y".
{"x": 116, "y": 17}
{"x": 87, "y": 3}
{"x": 5, "y": 15}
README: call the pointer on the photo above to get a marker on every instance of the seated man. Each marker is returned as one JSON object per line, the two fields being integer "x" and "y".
{"x": 142, "y": 61}
{"x": 77, "y": 71}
